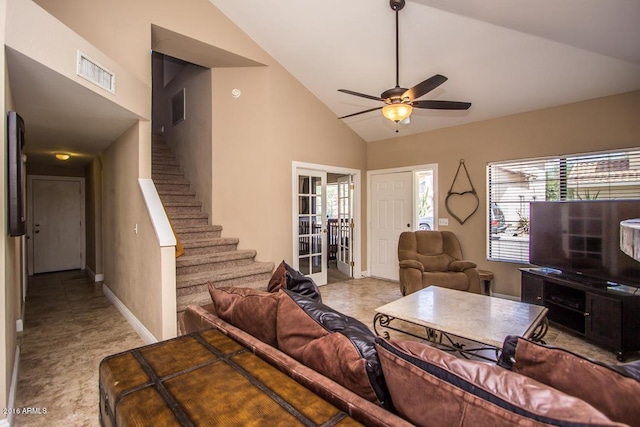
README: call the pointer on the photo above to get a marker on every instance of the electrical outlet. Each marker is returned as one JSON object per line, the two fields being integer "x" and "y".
{"x": 443, "y": 221}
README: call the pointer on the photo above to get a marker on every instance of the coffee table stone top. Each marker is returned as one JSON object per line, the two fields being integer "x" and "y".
{"x": 480, "y": 318}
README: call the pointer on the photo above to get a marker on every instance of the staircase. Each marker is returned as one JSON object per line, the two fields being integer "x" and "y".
{"x": 208, "y": 257}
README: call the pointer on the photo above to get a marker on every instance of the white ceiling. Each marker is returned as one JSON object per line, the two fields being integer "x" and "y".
{"x": 61, "y": 115}
{"x": 503, "y": 56}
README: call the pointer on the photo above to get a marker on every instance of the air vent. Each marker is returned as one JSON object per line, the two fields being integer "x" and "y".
{"x": 96, "y": 73}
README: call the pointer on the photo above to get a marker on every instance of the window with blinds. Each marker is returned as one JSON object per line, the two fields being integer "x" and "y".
{"x": 513, "y": 185}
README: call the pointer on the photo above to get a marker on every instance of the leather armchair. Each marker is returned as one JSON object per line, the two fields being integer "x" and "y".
{"x": 434, "y": 258}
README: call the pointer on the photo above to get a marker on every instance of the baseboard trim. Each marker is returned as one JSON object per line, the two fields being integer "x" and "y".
{"x": 144, "y": 333}
{"x": 95, "y": 277}
{"x": 11, "y": 402}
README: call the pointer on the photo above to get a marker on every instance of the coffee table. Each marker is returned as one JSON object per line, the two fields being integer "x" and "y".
{"x": 449, "y": 315}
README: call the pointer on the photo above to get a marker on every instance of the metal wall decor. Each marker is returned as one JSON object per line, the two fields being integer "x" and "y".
{"x": 452, "y": 195}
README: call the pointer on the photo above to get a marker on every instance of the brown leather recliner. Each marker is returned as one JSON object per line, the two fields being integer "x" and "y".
{"x": 434, "y": 258}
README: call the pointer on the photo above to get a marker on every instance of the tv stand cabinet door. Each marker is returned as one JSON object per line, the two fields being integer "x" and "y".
{"x": 531, "y": 289}
{"x": 603, "y": 320}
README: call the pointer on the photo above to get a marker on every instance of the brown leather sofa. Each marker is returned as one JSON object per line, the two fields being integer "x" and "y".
{"x": 310, "y": 343}
{"x": 434, "y": 258}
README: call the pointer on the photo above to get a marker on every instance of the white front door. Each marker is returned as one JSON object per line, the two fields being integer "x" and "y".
{"x": 344, "y": 253}
{"x": 57, "y": 224}
{"x": 391, "y": 214}
{"x": 312, "y": 225}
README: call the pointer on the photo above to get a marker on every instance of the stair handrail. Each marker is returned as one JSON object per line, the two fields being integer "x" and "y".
{"x": 179, "y": 247}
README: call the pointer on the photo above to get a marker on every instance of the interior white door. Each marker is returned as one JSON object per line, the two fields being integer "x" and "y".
{"x": 57, "y": 225}
{"x": 311, "y": 239}
{"x": 391, "y": 214}
{"x": 344, "y": 254}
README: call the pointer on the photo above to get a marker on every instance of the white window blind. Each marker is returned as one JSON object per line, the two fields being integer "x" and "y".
{"x": 513, "y": 185}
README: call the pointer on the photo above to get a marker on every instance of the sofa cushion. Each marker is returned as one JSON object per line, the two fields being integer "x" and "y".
{"x": 286, "y": 277}
{"x": 338, "y": 346}
{"x": 614, "y": 390}
{"x": 427, "y": 384}
{"x": 254, "y": 311}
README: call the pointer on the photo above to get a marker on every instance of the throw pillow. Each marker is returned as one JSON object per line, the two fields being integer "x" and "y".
{"x": 614, "y": 390}
{"x": 286, "y": 277}
{"x": 278, "y": 278}
{"x": 254, "y": 311}
{"x": 331, "y": 343}
{"x": 428, "y": 384}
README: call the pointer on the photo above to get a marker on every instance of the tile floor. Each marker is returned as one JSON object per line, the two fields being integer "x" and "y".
{"x": 70, "y": 326}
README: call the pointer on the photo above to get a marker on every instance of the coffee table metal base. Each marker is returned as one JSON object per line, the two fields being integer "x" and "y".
{"x": 442, "y": 340}
{"x": 447, "y": 341}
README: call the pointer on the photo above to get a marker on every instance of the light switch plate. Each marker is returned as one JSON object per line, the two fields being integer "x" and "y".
{"x": 443, "y": 221}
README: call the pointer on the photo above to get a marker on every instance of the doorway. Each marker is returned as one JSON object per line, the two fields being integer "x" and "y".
{"x": 340, "y": 227}
{"x": 400, "y": 200}
{"x": 55, "y": 228}
{"x": 325, "y": 226}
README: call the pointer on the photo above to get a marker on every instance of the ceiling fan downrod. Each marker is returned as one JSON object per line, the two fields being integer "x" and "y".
{"x": 397, "y": 5}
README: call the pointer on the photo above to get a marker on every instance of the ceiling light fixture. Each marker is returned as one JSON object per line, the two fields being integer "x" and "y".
{"x": 62, "y": 156}
{"x": 397, "y": 112}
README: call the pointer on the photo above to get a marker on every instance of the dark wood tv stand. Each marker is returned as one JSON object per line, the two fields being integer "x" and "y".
{"x": 606, "y": 314}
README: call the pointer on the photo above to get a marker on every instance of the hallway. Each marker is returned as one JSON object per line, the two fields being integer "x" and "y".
{"x": 69, "y": 327}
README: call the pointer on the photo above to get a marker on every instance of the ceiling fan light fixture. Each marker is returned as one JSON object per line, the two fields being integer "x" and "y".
{"x": 397, "y": 112}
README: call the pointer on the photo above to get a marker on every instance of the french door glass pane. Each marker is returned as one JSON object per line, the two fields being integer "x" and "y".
{"x": 310, "y": 224}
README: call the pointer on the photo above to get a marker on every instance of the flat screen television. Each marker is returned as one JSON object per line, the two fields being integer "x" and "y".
{"x": 583, "y": 238}
{"x": 15, "y": 175}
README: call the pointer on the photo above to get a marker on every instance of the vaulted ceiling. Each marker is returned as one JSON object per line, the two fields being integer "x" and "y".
{"x": 503, "y": 56}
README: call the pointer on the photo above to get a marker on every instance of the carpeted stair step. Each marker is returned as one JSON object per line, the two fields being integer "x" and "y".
{"x": 164, "y": 161}
{"x": 190, "y": 204}
{"x": 194, "y": 283}
{"x": 172, "y": 169}
{"x": 171, "y": 186}
{"x": 174, "y": 210}
{"x": 208, "y": 246}
{"x": 197, "y": 263}
{"x": 167, "y": 174}
{"x": 195, "y": 232}
{"x": 176, "y": 192}
{"x": 187, "y": 219}
{"x": 177, "y": 196}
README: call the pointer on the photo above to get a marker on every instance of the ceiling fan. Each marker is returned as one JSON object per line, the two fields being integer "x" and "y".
{"x": 400, "y": 102}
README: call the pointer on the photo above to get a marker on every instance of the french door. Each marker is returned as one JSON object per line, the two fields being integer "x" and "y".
{"x": 344, "y": 253}
{"x": 311, "y": 211}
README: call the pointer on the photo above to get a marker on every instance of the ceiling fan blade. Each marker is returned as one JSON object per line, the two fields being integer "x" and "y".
{"x": 361, "y": 95}
{"x": 360, "y": 112}
{"x": 442, "y": 105}
{"x": 424, "y": 87}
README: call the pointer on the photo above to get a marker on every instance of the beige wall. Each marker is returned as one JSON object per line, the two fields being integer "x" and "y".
{"x": 190, "y": 139}
{"x": 596, "y": 125}
{"x": 131, "y": 260}
{"x": 11, "y": 248}
{"x": 253, "y": 144}
{"x": 256, "y": 137}
{"x": 55, "y": 170}
{"x": 93, "y": 213}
